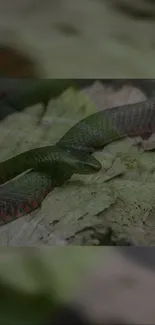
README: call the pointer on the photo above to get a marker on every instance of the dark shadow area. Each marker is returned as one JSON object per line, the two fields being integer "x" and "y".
{"x": 16, "y": 64}
{"x": 142, "y": 255}
{"x": 18, "y": 93}
{"x": 22, "y": 306}
{"x": 110, "y": 238}
{"x": 68, "y": 316}
{"x": 140, "y": 13}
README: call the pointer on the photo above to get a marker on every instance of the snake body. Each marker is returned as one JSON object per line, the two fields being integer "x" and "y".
{"x": 51, "y": 166}
{"x": 97, "y": 130}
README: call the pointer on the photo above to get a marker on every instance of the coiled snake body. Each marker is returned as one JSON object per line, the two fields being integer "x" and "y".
{"x": 50, "y": 166}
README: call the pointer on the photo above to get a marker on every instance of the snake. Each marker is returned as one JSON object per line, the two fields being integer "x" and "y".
{"x": 27, "y": 178}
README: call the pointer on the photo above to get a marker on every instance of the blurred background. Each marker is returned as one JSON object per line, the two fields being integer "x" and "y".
{"x": 46, "y": 286}
{"x": 79, "y": 39}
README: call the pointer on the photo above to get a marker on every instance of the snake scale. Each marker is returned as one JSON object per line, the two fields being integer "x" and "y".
{"x": 48, "y": 167}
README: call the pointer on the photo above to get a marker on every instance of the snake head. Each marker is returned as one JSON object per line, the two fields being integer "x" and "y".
{"x": 80, "y": 162}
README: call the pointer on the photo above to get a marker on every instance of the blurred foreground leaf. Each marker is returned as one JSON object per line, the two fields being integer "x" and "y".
{"x": 34, "y": 281}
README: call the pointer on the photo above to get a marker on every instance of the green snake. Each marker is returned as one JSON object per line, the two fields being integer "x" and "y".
{"x": 48, "y": 167}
